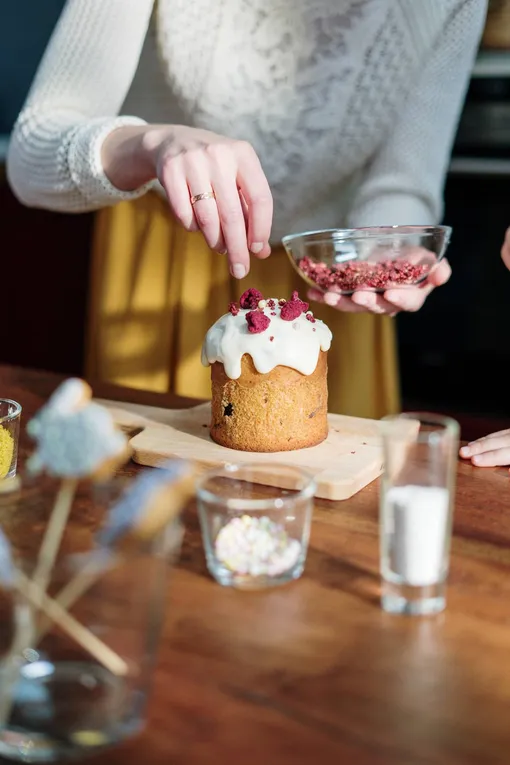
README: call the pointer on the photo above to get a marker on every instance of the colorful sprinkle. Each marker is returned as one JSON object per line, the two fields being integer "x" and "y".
{"x": 253, "y": 546}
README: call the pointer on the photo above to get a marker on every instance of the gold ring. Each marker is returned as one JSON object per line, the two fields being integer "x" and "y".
{"x": 205, "y": 195}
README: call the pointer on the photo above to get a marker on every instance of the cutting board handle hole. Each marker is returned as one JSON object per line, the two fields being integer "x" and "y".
{"x": 131, "y": 431}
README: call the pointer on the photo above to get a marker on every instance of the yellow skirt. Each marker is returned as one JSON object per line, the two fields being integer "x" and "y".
{"x": 156, "y": 289}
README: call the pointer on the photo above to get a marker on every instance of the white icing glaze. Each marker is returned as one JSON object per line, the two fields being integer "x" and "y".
{"x": 295, "y": 344}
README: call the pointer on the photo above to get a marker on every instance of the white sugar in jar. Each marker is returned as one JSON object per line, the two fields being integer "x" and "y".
{"x": 417, "y": 526}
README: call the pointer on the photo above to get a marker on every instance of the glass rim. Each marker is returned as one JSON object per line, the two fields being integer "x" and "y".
{"x": 368, "y": 232}
{"x": 229, "y": 469}
{"x": 441, "y": 421}
{"x": 12, "y": 415}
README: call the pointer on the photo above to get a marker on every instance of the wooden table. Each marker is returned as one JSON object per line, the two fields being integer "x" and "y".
{"x": 315, "y": 672}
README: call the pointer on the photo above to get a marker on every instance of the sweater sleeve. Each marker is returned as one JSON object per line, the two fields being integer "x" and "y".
{"x": 403, "y": 184}
{"x": 54, "y": 156}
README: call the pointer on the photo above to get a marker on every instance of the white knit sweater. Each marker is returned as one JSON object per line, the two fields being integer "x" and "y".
{"x": 351, "y": 105}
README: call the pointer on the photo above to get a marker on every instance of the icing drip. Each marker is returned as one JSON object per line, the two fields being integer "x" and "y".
{"x": 295, "y": 344}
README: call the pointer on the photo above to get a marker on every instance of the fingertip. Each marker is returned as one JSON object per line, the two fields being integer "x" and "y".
{"x": 331, "y": 299}
{"x": 393, "y": 296}
{"x": 315, "y": 295}
{"x": 262, "y": 254}
{"x": 238, "y": 270}
{"x": 361, "y": 299}
{"x": 441, "y": 274}
{"x": 404, "y": 302}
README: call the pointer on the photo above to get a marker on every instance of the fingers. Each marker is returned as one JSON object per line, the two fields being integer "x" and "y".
{"x": 238, "y": 219}
{"x": 333, "y": 299}
{"x": 373, "y": 302}
{"x": 360, "y": 302}
{"x": 392, "y": 301}
{"x": 492, "y": 458}
{"x": 505, "y": 250}
{"x": 205, "y": 210}
{"x": 441, "y": 274}
{"x": 255, "y": 190}
{"x": 412, "y": 298}
{"x": 489, "y": 451}
{"x": 408, "y": 298}
{"x": 173, "y": 180}
{"x": 230, "y": 210}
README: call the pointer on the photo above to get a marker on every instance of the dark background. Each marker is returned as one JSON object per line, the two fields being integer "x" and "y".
{"x": 454, "y": 353}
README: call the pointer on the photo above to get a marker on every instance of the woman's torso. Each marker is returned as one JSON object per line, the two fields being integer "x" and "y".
{"x": 313, "y": 85}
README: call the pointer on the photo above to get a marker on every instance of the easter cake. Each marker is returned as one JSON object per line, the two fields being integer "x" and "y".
{"x": 269, "y": 368}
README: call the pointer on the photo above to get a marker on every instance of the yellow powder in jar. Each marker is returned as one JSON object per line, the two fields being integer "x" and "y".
{"x": 6, "y": 451}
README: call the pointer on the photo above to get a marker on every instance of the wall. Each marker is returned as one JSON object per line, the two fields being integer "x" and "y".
{"x": 25, "y": 27}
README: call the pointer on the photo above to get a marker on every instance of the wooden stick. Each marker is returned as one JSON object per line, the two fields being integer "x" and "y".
{"x": 22, "y": 638}
{"x": 25, "y": 637}
{"x": 84, "y": 637}
{"x": 54, "y": 532}
{"x": 171, "y": 501}
{"x": 72, "y": 592}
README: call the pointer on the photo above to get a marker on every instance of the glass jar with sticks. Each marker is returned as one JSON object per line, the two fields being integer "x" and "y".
{"x": 83, "y": 564}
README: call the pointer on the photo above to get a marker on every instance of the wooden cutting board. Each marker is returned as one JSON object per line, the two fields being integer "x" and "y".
{"x": 348, "y": 460}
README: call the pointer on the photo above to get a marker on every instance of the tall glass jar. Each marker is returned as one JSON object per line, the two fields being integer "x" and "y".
{"x": 75, "y": 677}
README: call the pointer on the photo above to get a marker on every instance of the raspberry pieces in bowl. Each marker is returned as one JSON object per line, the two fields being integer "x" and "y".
{"x": 376, "y": 259}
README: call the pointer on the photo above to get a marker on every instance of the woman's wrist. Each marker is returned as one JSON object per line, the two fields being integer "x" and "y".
{"x": 128, "y": 155}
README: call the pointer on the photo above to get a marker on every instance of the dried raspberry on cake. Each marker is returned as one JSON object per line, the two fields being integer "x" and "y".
{"x": 291, "y": 310}
{"x": 257, "y": 322}
{"x": 233, "y": 309}
{"x": 250, "y": 299}
{"x": 296, "y": 299}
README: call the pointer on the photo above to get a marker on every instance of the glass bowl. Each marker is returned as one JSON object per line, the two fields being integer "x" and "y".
{"x": 375, "y": 258}
{"x": 255, "y": 520}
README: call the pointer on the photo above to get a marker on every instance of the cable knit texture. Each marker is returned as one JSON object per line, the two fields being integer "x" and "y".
{"x": 351, "y": 105}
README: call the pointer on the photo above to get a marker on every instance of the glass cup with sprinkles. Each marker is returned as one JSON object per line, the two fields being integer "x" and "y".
{"x": 10, "y": 415}
{"x": 255, "y": 521}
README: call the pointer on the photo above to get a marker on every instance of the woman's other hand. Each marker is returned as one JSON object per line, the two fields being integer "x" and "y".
{"x": 489, "y": 451}
{"x": 505, "y": 250}
{"x": 236, "y": 214}
{"x": 390, "y": 302}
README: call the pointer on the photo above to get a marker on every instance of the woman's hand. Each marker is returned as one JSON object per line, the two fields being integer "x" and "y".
{"x": 236, "y": 219}
{"x": 489, "y": 451}
{"x": 505, "y": 250}
{"x": 390, "y": 302}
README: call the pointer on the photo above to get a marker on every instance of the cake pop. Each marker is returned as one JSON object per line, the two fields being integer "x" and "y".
{"x": 75, "y": 437}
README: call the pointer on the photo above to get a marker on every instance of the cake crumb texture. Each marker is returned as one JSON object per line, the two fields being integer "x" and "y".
{"x": 282, "y": 410}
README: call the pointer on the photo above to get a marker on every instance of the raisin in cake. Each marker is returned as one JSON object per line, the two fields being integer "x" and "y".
{"x": 269, "y": 367}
